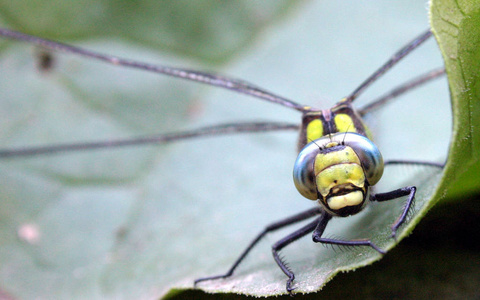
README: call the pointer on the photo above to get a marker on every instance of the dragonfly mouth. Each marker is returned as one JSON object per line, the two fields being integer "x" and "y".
{"x": 345, "y": 200}
{"x": 342, "y": 189}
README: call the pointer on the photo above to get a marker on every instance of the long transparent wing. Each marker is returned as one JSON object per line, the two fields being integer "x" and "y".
{"x": 415, "y": 163}
{"x": 229, "y": 83}
{"x": 401, "y": 89}
{"x": 390, "y": 63}
{"x": 217, "y": 130}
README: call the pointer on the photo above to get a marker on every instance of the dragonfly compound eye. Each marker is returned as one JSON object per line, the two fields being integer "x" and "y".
{"x": 337, "y": 170}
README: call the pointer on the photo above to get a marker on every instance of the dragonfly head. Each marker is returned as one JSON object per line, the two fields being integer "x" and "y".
{"x": 337, "y": 170}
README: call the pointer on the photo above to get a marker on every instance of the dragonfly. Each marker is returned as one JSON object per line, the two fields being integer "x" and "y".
{"x": 337, "y": 166}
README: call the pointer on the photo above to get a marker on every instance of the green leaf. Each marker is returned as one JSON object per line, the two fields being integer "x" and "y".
{"x": 137, "y": 223}
{"x": 455, "y": 24}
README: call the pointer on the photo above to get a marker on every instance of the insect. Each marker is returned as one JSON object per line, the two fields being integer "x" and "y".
{"x": 337, "y": 164}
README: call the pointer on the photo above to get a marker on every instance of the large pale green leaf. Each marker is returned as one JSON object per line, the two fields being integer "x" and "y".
{"x": 138, "y": 222}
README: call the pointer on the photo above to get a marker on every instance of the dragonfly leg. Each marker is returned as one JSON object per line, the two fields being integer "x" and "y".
{"x": 286, "y": 241}
{"x": 272, "y": 227}
{"x": 320, "y": 228}
{"x": 406, "y": 191}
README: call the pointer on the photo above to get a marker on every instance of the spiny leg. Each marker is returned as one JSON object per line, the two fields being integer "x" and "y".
{"x": 408, "y": 190}
{"x": 286, "y": 241}
{"x": 272, "y": 227}
{"x": 320, "y": 228}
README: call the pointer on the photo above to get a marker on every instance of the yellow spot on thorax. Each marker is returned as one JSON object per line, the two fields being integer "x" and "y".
{"x": 314, "y": 130}
{"x": 344, "y": 123}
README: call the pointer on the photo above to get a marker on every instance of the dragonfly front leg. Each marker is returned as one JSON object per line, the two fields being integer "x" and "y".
{"x": 286, "y": 241}
{"x": 270, "y": 228}
{"x": 322, "y": 224}
{"x": 408, "y": 190}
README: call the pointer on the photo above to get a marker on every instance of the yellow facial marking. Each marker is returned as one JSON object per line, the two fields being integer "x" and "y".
{"x": 344, "y": 123}
{"x": 337, "y": 168}
{"x": 350, "y": 199}
{"x": 314, "y": 130}
{"x": 323, "y": 161}
{"x": 339, "y": 174}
